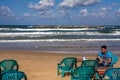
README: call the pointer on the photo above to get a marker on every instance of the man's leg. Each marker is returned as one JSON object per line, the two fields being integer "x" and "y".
{"x": 101, "y": 64}
{"x": 107, "y": 64}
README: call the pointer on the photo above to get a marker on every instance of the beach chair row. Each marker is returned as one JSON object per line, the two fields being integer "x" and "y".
{"x": 87, "y": 70}
{"x": 9, "y": 70}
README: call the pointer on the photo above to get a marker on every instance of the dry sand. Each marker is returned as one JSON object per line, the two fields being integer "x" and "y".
{"x": 41, "y": 65}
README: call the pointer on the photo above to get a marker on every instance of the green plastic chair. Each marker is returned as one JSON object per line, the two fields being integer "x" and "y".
{"x": 67, "y": 65}
{"x": 14, "y": 75}
{"x": 92, "y": 63}
{"x": 83, "y": 73}
{"x": 112, "y": 74}
{"x": 8, "y": 65}
{"x": 114, "y": 60}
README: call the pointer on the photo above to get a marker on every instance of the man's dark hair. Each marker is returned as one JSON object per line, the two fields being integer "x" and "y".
{"x": 105, "y": 47}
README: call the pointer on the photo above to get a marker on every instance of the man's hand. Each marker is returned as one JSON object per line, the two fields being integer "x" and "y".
{"x": 100, "y": 60}
{"x": 108, "y": 61}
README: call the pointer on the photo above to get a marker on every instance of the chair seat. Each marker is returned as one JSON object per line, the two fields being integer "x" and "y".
{"x": 81, "y": 78}
{"x": 14, "y": 75}
{"x": 66, "y": 68}
{"x": 5, "y": 71}
{"x": 83, "y": 73}
{"x": 112, "y": 74}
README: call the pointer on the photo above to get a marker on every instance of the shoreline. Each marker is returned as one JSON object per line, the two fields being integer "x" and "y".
{"x": 62, "y": 47}
{"x": 79, "y": 52}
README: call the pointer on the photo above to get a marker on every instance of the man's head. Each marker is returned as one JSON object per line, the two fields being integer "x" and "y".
{"x": 103, "y": 49}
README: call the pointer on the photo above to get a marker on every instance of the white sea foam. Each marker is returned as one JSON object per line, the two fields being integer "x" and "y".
{"x": 24, "y": 34}
{"x": 38, "y": 34}
{"x": 30, "y": 26}
{"x": 4, "y": 28}
{"x": 59, "y": 40}
{"x": 47, "y": 29}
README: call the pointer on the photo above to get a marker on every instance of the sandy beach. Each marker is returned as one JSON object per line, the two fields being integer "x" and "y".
{"x": 41, "y": 65}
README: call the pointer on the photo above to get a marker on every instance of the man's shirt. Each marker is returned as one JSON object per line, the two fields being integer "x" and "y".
{"x": 105, "y": 56}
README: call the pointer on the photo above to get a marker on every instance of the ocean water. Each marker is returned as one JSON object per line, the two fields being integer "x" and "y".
{"x": 72, "y": 39}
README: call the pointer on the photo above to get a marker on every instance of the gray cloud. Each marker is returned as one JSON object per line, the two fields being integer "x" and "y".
{"x": 102, "y": 12}
{"x": 26, "y": 14}
{"x": 75, "y": 3}
{"x": 44, "y": 9}
{"x": 115, "y": 4}
{"x": 42, "y": 4}
{"x": 41, "y": 14}
{"x": 84, "y": 12}
{"x": 5, "y": 11}
{"x": 118, "y": 12}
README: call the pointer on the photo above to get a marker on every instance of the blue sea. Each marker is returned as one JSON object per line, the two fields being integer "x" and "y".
{"x": 61, "y": 39}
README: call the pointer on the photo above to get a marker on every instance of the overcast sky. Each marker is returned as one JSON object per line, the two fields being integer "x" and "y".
{"x": 60, "y": 12}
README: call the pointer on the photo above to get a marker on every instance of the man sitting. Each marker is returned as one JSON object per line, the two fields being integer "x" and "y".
{"x": 104, "y": 57}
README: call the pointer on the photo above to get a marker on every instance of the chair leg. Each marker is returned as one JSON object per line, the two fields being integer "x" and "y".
{"x": 63, "y": 74}
{"x": 100, "y": 77}
{"x": 57, "y": 71}
{"x": 97, "y": 76}
{"x": 72, "y": 71}
{"x": 71, "y": 77}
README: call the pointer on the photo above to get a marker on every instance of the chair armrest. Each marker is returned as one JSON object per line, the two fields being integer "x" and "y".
{"x": 75, "y": 65}
{"x": 97, "y": 76}
{"x": 59, "y": 63}
{"x": 72, "y": 72}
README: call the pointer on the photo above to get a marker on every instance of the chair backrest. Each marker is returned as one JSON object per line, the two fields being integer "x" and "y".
{"x": 113, "y": 73}
{"x": 8, "y": 65}
{"x": 69, "y": 61}
{"x": 83, "y": 73}
{"x": 92, "y": 63}
{"x": 114, "y": 60}
{"x": 14, "y": 75}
